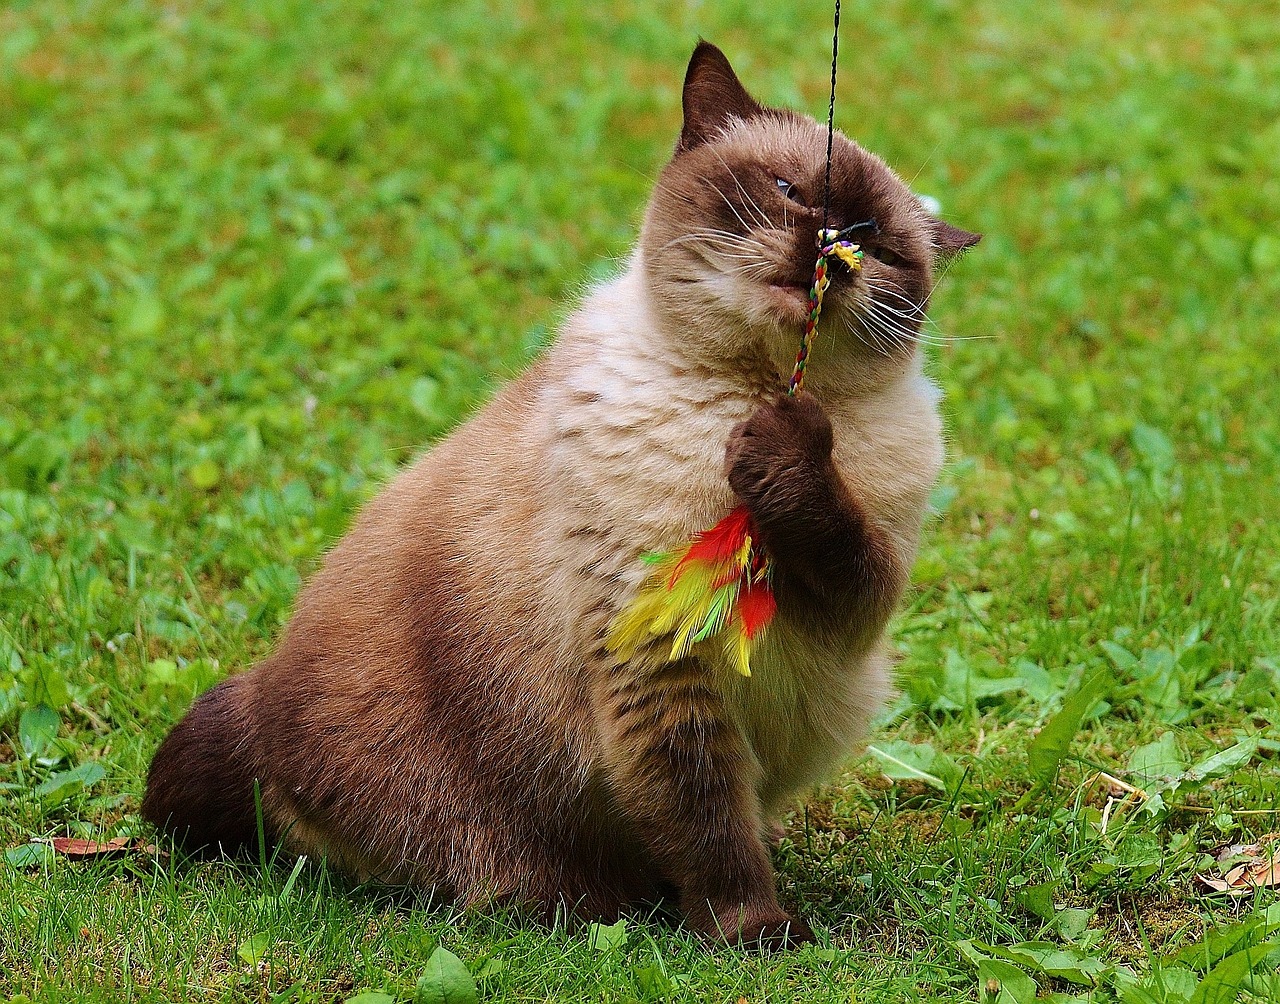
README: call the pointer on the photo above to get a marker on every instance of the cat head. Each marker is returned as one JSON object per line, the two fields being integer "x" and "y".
{"x": 730, "y": 237}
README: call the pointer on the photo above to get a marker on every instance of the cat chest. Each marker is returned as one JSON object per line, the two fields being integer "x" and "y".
{"x": 799, "y": 716}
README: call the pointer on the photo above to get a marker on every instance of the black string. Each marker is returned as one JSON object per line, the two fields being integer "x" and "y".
{"x": 851, "y": 232}
{"x": 831, "y": 116}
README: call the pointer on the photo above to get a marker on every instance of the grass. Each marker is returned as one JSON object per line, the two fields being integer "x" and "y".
{"x": 256, "y": 255}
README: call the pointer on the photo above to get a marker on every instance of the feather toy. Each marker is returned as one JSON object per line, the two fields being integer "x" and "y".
{"x": 718, "y": 588}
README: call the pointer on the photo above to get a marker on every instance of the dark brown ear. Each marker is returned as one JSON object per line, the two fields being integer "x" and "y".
{"x": 712, "y": 96}
{"x": 949, "y": 241}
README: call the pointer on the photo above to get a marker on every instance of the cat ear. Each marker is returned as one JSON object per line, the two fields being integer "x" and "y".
{"x": 949, "y": 241}
{"x": 712, "y": 95}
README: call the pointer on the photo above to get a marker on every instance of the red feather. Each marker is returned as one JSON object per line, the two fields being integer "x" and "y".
{"x": 718, "y": 587}
{"x": 756, "y": 607}
{"x": 720, "y": 543}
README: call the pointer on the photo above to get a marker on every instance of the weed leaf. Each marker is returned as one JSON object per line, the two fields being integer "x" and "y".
{"x": 254, "y": 948}
{"x": 64, "y": 784}
{"x": 1002, "y": 982}
{"x": 30, "y": 855}
{"x": 1218, "y": 944}
{"x": 445, "y": 981}
{"x": 1047, "y": 750}
{"x": 904, "y": 761}
{"x": 607, "y": 937}
{"x": 37, "y": 728}
{"x": 652, "y": 981}
{"x": 1223, "y": 764}
{"x": 1068, "y": 964}
{"x": 1226, "y": 979}
{"x": 1165, "y": 986}
{"x": 1159, "y": 764}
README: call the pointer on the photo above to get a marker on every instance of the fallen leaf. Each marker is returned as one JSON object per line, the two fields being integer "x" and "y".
{"x": 78, "y": 849}
{"x": 73, "y": 847}
{"x": 1259, "y": 869}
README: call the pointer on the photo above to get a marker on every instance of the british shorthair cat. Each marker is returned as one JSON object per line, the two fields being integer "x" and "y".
{"x": 442, "y": 709}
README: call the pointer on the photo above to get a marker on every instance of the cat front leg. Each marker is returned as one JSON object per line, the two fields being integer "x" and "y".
{"x": 824, "y": 544}
{"x": 686, "y": 779}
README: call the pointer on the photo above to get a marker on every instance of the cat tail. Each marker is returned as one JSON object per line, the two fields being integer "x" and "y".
{"x": 200, "y": 789}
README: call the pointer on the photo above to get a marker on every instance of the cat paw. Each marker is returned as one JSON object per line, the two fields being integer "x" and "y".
{"x": 777, "y": 935}
{"x": 783, "y": 438}
{"x": 770, "y": 929}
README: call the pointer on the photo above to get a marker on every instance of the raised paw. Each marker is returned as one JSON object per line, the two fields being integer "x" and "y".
{"x": 786, "y": 439}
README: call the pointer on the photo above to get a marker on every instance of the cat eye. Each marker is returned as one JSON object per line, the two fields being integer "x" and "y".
{"x": 885, "y": 256}
{"x": 790, "y": 191}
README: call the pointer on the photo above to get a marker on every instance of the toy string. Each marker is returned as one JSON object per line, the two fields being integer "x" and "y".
{"x": 831, "y": 243}
{"x": 831, "y": 117}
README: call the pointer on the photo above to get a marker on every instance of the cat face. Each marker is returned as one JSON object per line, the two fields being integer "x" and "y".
{"x": 730, "y": 239}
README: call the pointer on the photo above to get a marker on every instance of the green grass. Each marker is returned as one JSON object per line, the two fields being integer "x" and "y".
{"x": 254, "y": 256}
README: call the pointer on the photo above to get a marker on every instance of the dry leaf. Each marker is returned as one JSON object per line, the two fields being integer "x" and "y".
{"x": 73, "y": 847}
{"x": 1260, "y": 868}
{"x": 76, "y": 848}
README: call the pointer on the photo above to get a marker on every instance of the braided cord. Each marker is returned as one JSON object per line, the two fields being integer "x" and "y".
{"x": 832, "y": 246}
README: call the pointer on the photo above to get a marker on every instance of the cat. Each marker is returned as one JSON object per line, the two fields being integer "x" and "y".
{"x": 443, "y": 711}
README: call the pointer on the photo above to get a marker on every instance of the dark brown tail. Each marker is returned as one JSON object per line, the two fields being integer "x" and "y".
{"x": 200, "y": 788}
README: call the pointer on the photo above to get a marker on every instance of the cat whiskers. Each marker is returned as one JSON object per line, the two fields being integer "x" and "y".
{"x": 753, "y": 207}
{"x": 913, "y": 313}
{"x": 945, "y": 267}
{"x": 895, "y": 327}
{"x": 740, "y": 246}
{"x": 853, "y": 318}
{"x": 717, "y": 238}
{"x": 754, "y": 270}
{"x": 900, "y": 326}
{"x": 890, "y": 332}
{"x": 732, "y": 208}
{"x": 719, "y": 248}
{"x": 870, "y": 333}
{"x": 913, "y": 320}
{"x": 875, "y": 325}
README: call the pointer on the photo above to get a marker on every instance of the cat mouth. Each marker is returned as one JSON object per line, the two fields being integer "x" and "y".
{"x": 791, "y": 287}
{"x": 789, "y": 298}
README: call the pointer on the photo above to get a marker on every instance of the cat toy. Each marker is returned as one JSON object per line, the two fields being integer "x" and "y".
{"x": 719, "y": 586}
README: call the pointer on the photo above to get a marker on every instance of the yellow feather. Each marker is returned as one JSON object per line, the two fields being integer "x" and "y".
{"x": 738, "y": 648}
{"x": 689, "y": 601}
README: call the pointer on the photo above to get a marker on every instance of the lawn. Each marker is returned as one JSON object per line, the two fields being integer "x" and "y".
{"x": 254, "y": 256}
